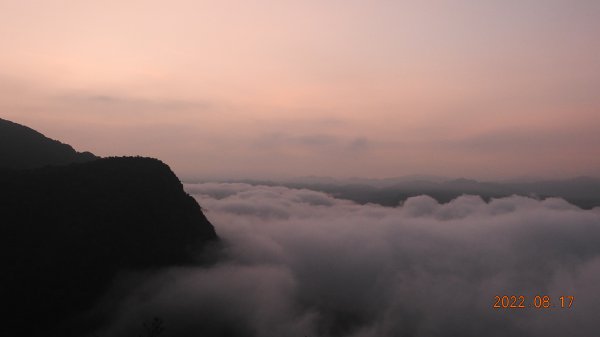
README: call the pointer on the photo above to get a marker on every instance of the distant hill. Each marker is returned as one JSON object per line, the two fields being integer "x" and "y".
{"x": 66, "y": 231}
{"x": 23, "y": 148}
{"x": 581, "y": 191}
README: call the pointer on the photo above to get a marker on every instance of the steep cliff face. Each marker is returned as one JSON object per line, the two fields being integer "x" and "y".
{"x": 22, "y": 147}
{"x": 67, "y": 231}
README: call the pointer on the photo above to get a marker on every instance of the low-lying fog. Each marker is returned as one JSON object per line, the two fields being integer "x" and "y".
{"x": 302, "y": 263}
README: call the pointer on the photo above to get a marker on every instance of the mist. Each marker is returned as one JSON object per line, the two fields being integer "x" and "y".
{"x": 302, "y": 263}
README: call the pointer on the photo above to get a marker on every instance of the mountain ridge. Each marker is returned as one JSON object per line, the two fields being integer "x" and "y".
{"x": 22, "y": 148}
{"x": 71, "y": 224}
{"x": 581, "y": 191}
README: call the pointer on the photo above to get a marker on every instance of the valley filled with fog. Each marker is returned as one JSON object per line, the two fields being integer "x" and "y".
{"x": 297, "y": 262}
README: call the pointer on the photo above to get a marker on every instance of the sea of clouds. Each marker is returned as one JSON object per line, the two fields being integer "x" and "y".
{"x": 301, "y": 263}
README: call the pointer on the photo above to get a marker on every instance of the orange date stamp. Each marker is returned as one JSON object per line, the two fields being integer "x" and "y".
{"x": 535, "y": 302}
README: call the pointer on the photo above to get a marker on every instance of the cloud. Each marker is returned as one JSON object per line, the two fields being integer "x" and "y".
{"x": 514, "y": 140}
{"x": 320, "y": 142}
{"x": 302, "y": 263}
{"x": 278, "y": 139}
{"x": 109, "y": 104}
{"x": 358, "y": 144}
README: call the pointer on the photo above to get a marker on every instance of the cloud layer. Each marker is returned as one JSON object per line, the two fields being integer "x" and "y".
{"x": 301, "y": 263}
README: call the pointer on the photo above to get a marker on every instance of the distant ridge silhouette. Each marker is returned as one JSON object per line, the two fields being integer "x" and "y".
{"x": 583, "y": 192}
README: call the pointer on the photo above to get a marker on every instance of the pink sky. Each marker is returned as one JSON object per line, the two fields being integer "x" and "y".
{"x": 482, "y": 89}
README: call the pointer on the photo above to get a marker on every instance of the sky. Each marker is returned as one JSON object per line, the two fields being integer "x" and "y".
{"x": 269, "y": 89}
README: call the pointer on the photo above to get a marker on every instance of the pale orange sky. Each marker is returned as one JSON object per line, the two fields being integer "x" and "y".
{"x": 482, "y": 89}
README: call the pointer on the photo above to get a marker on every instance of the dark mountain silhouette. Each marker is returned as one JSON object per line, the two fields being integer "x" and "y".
{"x": 67, "y": 231}
{"x": 22, "y": 147}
